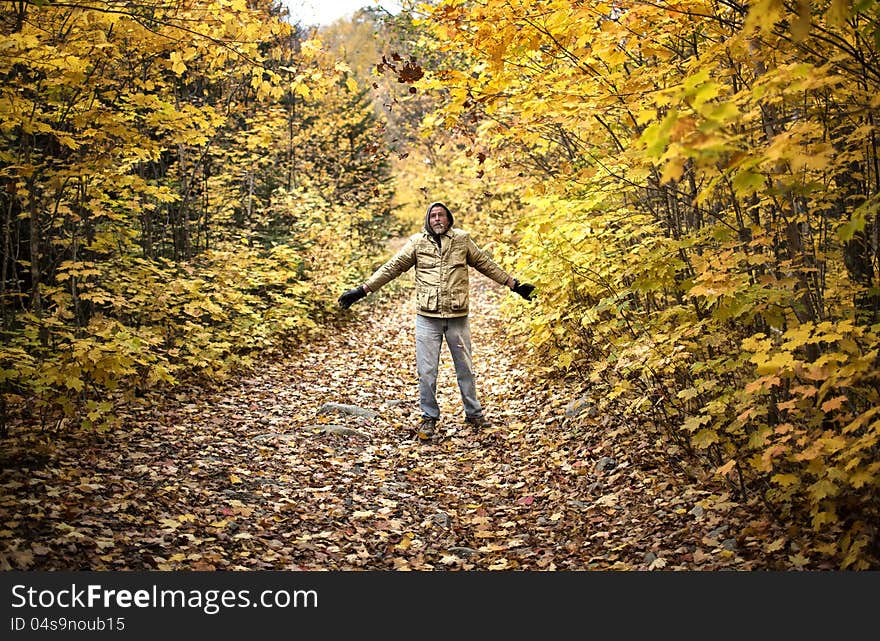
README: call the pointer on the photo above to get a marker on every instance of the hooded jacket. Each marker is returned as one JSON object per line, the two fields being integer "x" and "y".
{"x": 441, "y": 269}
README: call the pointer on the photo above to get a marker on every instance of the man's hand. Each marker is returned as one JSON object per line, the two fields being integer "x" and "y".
{"x": 523, "y": 289}
{"x": 352, "y": 296}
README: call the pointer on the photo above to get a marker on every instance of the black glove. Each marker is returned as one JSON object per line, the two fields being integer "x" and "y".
{"x": 352, "y": 296}
{"x": 523, "y": 289}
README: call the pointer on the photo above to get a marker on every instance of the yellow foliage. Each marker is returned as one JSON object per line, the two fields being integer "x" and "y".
{"x": 680, "y": 173}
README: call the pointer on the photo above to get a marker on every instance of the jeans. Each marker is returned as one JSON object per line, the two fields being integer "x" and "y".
{"x": 430, "y": 333}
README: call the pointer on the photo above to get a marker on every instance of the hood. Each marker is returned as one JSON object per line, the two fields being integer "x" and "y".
{"x": 428, "y": 212}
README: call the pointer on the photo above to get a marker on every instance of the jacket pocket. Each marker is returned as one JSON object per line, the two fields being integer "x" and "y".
{"x": 427, "y": 299}
{"x": 459, "y": 299}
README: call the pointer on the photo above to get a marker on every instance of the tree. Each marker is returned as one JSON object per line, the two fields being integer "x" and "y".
{"x": 701, "y": 186}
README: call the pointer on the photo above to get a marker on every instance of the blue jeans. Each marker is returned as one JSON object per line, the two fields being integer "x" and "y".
{"x": 430, "y": 333}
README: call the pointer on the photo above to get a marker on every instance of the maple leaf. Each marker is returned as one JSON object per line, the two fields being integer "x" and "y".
{"x": 776, "y": 545}
{"x": 833, "y": 403}
{"x": 799, "y": 560}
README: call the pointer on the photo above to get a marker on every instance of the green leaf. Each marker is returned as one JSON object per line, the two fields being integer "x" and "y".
{"x": 655, "y": 138}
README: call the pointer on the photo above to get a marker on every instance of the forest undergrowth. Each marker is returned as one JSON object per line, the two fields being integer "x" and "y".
{"x": 310, "y": 462}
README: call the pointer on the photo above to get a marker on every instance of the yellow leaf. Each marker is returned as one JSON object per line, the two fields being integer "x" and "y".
{"x": 673, "y": 170}
{"x": 823, "y": 518}
{"x": 763, "y": 15}
{"x": 823, "y": 488}
{"x": 722, "y": 113}
{"x": 861, "y": 478}
{"x": 778, "y": 544}
{"x": 705, "y": 438}
{"x": 693, "y": 423}
{"x": 776, "y": 363}
{"x": 177, "y": 64}
{"x": 352, "y": 84}
{"x": 832, "y": 444}
{"x": 786, "y": 480}
{"x": 234, "y": 478}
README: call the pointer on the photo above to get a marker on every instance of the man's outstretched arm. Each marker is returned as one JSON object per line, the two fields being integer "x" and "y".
{"x": 525, "y": 290}
{"x": 481, "y": 261}
{"x": 352, "y": 296}
{"x": 399, "y": 263}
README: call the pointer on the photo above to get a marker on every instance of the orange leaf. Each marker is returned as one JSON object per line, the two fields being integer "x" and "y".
{"x": 833, "y": 404}
{"x": 723, "y": 470}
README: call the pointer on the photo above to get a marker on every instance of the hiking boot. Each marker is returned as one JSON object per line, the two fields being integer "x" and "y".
{"x": 480, "y": 422}
{"x": 425, "y": 430}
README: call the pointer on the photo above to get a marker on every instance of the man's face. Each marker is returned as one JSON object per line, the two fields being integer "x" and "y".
{"x": 438, "y": 220}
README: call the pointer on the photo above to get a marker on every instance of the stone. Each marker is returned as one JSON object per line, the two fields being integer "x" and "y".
{"x": 340, "y": 430}
{"x": 579, "y": 406}
{"x": 354, "y": 410}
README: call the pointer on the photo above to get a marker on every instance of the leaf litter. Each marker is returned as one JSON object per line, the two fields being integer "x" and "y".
{"x": 310, "y": 462}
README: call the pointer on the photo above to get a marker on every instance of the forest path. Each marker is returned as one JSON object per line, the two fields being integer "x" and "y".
{"x": 253, "y": 475}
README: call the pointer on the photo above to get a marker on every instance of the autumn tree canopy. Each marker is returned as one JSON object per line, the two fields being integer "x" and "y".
{"x": 698, "y": 190}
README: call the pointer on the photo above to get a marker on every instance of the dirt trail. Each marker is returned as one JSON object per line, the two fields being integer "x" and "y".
{"x": 253, "y": 476}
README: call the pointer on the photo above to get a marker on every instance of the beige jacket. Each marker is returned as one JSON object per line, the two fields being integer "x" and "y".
{"x": 441, "y": 272}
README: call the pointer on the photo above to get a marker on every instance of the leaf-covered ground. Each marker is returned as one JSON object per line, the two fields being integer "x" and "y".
{"x": 254, "y": 475}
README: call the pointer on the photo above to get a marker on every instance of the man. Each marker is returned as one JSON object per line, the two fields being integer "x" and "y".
{"x": 441, "y": 256}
